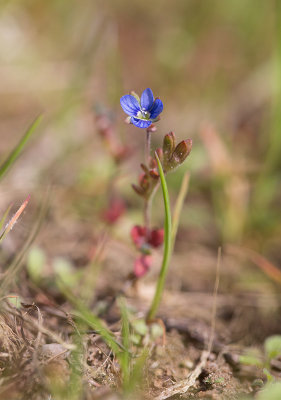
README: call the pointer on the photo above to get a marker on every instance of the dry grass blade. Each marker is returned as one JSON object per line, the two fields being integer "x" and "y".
{"x": 14, "y": 219}
{"x": 37, "y": 325}
{"x": 9, "y": 275}
{"x": 9, "y": 341}
{"x": 261, "y": 262}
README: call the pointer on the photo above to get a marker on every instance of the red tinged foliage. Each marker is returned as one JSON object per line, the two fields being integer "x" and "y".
{"x": 143, "y": 237}
{"x": 114, "y": 211}
{"x": 142, "y": 265}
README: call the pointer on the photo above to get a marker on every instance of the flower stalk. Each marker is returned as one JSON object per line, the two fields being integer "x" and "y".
{"x": 143, "y": 112}
{"x": 147, "y": 146}
{"x": 167, "y": 245}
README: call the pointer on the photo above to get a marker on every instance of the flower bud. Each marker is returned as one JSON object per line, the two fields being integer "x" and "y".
{"x": 147, "y": 181}
{"x": 152, "y": 163}
{"x": 138, "y": 190}
{"x": 144, "y": 168}
{"x": 169, "y": 144}
{"x": 180, "y": 153}
{"x": 144, "y": 181}
{"x": 154, "y": 174}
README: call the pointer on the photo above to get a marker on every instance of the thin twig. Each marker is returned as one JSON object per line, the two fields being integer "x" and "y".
{"x": 214, "y": 307}
{"x": 183, "y": 386}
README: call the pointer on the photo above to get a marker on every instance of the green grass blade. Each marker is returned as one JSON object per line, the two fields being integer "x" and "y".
{"x": 3, "y": 219}
{"x": 125, "y": 357}
{"x": 136, "y": 377}
{"x": 178, "y": 207}
{"x": 85, "y": 315}
{"x": 95, "y": 323}
{"x": 167, "y": 246}
{"x": 19, "y": 147}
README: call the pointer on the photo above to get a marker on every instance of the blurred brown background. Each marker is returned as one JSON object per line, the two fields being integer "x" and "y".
{"x": 216, "y": 66}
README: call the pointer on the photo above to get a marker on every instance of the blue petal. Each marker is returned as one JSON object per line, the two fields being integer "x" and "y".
{"x": 139, "y": 123}
{"x": 147, "y": 99}
{"x": 130, "y": 104}
{"x": 157, "y": 108}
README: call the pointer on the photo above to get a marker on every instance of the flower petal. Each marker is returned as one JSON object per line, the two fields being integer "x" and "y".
{"x": 140, "y": 123}
{"x": 157, "y": 108}
{"x": 130, "y": 104}
{"x": 147, "y": 99}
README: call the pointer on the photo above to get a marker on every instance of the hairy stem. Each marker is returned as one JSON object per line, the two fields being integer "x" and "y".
{"x": 147, "y": 204}
{"x": 146, "y": 212}
{"x": 147, "y": 147}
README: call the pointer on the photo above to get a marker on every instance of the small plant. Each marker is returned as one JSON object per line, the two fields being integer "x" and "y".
{"x": 272, "y": 349}
{"x": 143, "y": 112}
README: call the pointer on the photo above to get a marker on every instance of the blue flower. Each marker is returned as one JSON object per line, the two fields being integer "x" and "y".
{"x": 142, "y": 111}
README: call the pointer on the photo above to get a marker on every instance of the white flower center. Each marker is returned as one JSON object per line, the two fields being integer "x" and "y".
{"x": 143, "y": 114}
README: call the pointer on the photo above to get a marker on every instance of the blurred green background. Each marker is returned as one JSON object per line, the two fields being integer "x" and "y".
{"x": 216, "y": 66}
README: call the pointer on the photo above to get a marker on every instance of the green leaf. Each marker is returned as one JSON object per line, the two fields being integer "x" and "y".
{"x": 139, "y": 325}
{"x": 18, "y": 148}
{"x": 14, "y": 300}
{"x": 268, "y": 375}
{"x": 36, "y": 260}
{"x": 249, "y": 359}
{"x": 272, "y": 346}
{"x": 66, "y": 272}
{"x": 271, "y": 391}
{"x": 156, "y": 331}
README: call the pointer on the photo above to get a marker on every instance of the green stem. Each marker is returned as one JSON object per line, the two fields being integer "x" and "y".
{"x": 167, "y": 246}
